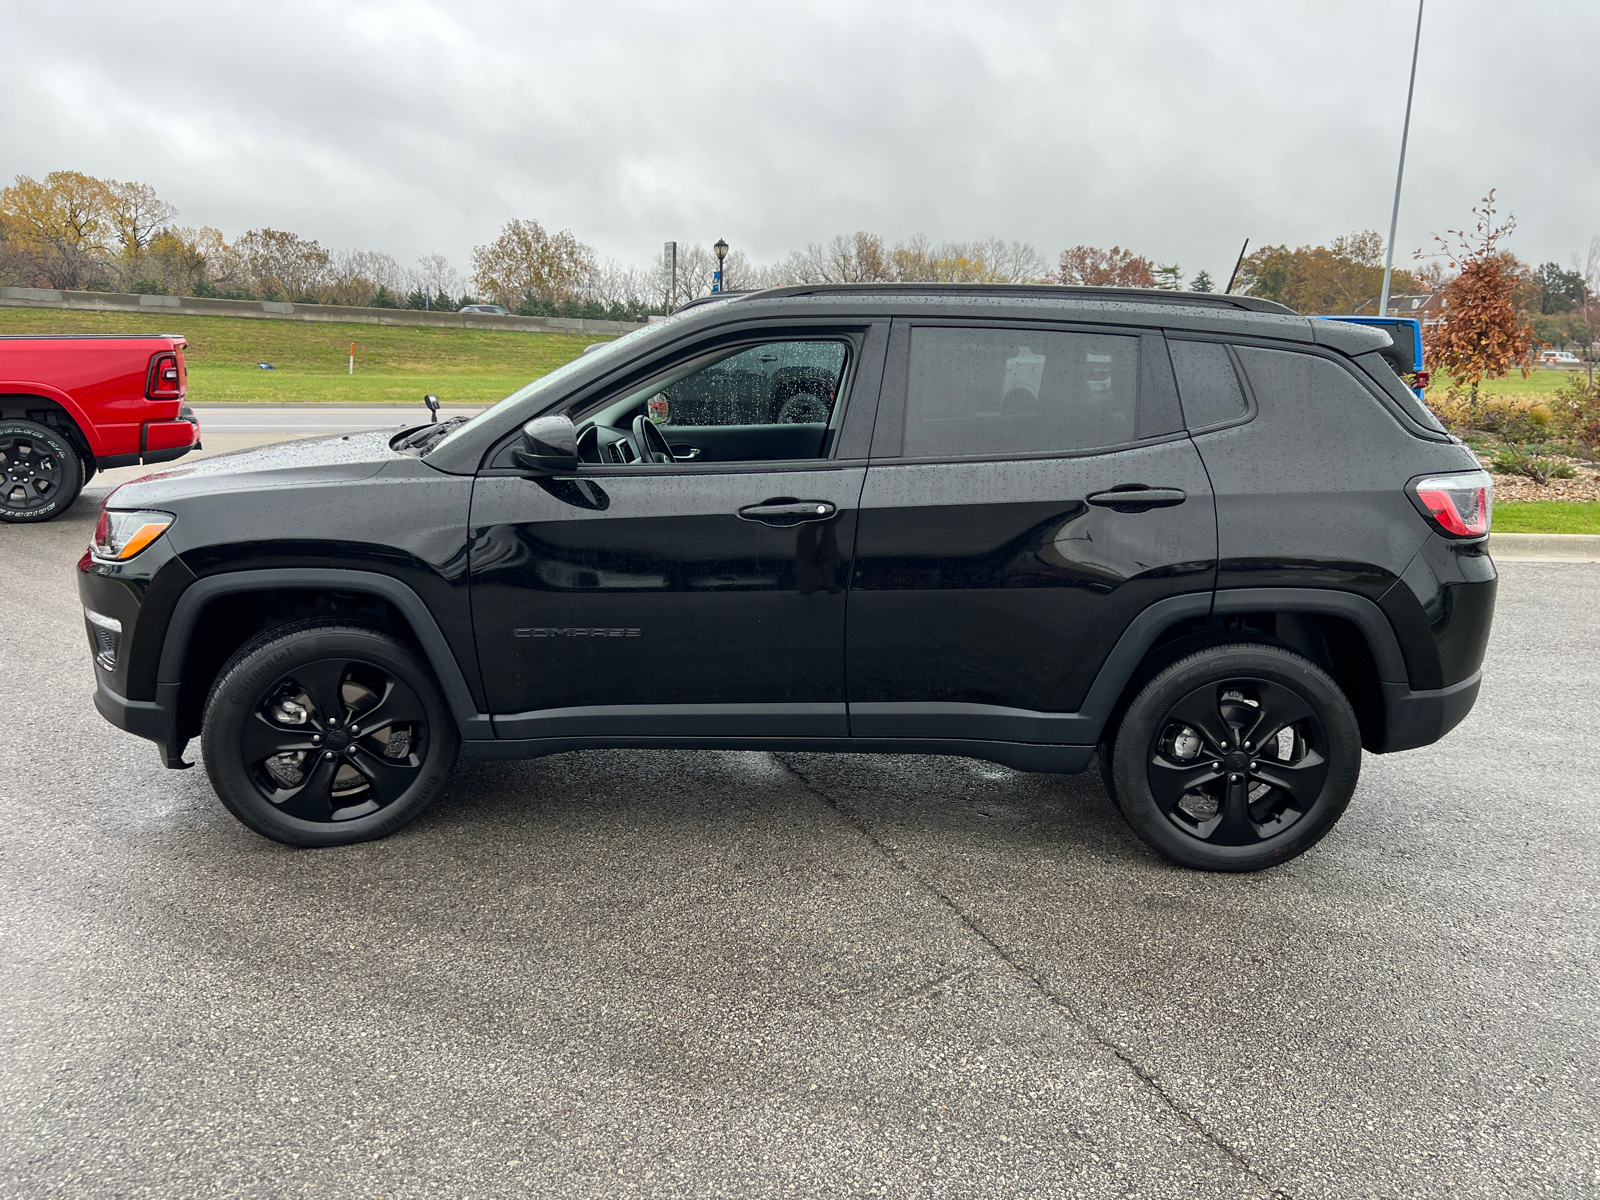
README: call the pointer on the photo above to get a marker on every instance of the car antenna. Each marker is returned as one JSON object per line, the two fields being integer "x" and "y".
{"x": 1228, "y": 291}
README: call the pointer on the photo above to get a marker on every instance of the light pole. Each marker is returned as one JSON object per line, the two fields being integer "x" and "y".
{"x": 1405, "y": 134}
{"x": 722, "y": 252}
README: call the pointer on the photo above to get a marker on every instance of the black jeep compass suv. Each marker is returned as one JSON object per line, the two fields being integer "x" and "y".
{"x": 1214, "y": 544}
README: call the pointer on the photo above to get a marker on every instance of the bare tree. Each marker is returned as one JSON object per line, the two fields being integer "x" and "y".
{"x": 616, "y": 284}
{"x": 355, "y": 276}
{"x": 436, "y": 273}
{"x": 1590, "y": 305}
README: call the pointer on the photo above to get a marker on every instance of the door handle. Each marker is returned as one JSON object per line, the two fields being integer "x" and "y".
{"x": 1136, "y": 497}
{"x": 786, "y": 510}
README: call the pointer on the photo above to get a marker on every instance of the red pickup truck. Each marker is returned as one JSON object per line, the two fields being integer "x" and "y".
{"x": 74, "y": 405}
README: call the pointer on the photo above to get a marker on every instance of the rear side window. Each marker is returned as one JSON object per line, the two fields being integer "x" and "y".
{"x": 1317, "y": 390}
{"x": 1009, "y": 391}
{"x": 1207, "y": 383}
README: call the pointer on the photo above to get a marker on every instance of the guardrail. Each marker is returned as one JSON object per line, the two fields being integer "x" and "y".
{"x": 279, "y": 310}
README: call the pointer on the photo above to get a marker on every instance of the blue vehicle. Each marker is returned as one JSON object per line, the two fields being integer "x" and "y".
{"x": 1406, "y": 358}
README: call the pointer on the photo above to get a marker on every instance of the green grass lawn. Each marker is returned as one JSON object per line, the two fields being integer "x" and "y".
{"x": 394, "y": 363}
{"x": 1546, "y": 516}
{"x": 1540, "y": 383}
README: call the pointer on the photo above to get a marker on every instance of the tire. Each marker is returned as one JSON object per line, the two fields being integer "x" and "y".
{"x": 40, "y": 472}
{"x": 290, "y": 746}
{"x": 1181, "y": 775}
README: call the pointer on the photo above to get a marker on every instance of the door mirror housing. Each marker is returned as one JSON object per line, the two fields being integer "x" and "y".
{"x": 549, "y": 444}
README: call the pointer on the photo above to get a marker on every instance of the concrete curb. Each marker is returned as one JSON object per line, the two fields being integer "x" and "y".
{"x": 1571, "y": 546}
{"x": 205, "y": 406}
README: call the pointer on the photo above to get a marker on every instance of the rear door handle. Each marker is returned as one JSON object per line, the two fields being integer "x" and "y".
{"x": 786, "y": 510}
{"x": 1136, "y": 497}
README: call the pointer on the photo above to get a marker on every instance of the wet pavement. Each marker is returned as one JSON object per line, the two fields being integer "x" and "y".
{"x": 746, "y": 975}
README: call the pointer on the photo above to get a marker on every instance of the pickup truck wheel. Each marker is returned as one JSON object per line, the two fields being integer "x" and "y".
{"x": 40, "y": 473}
{"x": 1235, "y": 758}
{"x": 324, "y": 733}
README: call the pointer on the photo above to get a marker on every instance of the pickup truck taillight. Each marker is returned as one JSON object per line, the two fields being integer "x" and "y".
{"x": 1458, "y": 506}
{"x": 165, "y": 380}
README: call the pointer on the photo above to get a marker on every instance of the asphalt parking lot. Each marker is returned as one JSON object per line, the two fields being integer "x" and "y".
{"x": 749, "y": 975}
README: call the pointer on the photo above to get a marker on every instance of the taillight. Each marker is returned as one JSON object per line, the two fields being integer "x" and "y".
{"x": 1420, "y": 379}
{"x": 164, "y": 381}
{"x": 1458, "y": 506}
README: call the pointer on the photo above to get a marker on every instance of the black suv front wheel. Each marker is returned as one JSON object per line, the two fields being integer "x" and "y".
{"x": 321, "y": 734}
{"x": 1236, "y": 757}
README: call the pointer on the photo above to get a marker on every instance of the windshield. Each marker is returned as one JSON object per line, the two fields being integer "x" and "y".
{"x": 554, "y": 380}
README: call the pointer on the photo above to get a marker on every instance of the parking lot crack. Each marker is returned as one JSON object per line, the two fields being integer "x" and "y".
{"x": 1148, "y": 1080}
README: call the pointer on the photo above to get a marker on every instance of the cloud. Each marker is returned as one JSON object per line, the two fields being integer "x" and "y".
{"x": 1176, "y": 129}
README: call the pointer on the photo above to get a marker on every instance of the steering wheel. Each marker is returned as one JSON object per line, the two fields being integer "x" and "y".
{"x": 650, "y": 441}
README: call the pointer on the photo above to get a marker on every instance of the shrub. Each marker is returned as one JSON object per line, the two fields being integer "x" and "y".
{"x": 1577, "y": 410}
{"x": 1516, "y": 460}
{"x": 1519, "y": 419}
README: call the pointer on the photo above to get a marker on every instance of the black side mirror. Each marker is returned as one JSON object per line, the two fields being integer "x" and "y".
{"x": 432, "y": 402}
{"x": 548, "y": 444}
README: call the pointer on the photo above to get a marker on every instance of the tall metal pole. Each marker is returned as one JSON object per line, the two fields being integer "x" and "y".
{"x": 1400, "y": 175}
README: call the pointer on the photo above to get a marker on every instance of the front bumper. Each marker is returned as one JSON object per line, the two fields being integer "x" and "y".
{"x": 155, "y": 720}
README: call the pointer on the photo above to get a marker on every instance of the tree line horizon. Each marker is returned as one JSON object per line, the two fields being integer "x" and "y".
{"x": 72, "y": 230}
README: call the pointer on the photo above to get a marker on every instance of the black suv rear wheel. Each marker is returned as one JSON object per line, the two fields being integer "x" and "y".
{"x": 321, "y": 734}
{"x": 1236, "y": 757}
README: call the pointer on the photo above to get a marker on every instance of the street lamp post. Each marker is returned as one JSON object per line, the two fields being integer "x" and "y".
{"x": 1400, "y": 174}
{"x": 722, "y": 252}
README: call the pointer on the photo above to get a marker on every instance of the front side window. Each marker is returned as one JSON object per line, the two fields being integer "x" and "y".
{"x": 774, "y": 401}
{"x": 779, "y": 383}
{"x": 1009, "y": 391}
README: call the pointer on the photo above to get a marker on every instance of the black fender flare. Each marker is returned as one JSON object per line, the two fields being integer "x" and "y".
{"x": 1123, "y": 661}
{"x": 186, "y": 613}
{"x": 1364, "y": 614}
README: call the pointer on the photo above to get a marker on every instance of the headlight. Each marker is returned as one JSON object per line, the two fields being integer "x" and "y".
{"x": 121, "y": 535}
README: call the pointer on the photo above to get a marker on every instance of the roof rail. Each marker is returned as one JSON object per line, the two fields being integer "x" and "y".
{"x": 711, "y": 298}
{"x": 1034, "y": 290}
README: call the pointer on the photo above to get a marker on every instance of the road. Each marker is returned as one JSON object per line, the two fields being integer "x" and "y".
{"x": 755, "y": 975}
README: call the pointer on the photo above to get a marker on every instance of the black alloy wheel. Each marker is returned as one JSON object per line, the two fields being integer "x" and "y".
{"x": 1236, "y": 757}
{"x": 40, "y": 473}
{"x": 319, "y": 734}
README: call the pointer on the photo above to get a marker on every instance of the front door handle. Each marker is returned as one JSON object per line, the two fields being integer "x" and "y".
{"x": 1136, "y": 497}
{"x": 786, "y": 510}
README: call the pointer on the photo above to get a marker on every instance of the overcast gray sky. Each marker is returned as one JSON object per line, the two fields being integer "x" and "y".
{"x": 1174, "y": 127}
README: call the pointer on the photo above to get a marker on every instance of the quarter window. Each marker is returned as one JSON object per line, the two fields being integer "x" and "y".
{"x": 1007, "y": 391}
{"x": 1207, "y": 383}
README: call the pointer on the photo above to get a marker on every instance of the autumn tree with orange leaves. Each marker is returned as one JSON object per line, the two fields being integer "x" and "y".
{"x": 1482, "y": 335}
{"x": 1116, "y": 267}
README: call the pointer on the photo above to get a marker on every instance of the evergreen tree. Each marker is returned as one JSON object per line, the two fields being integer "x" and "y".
{"x": 1202, "y": 283}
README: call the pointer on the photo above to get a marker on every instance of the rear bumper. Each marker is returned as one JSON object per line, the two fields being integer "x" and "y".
{"x": 155, "y": 720}
{"x": 1421, "y": 718}
{"x": 159, "y": 442}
